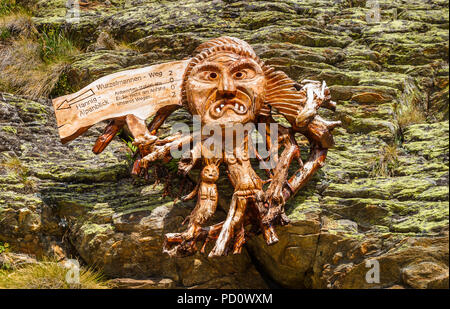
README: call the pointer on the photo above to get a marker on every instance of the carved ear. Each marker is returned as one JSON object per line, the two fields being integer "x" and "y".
{"x": 207, "y": 161}
{"x": 282, "y": 95}
{"x": 213, "y": 161}
{"x": 217, "y": 162}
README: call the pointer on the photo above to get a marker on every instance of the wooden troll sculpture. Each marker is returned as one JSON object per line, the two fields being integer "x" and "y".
{"x": 225, "y": 84}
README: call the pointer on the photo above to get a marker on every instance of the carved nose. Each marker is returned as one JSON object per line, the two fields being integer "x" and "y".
{"x": 226, "y": 88}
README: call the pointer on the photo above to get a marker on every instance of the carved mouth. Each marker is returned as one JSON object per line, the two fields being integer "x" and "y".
{"x": 219, "y": 108}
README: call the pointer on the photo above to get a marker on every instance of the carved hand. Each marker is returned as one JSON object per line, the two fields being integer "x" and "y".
{"x": 160, "y": 149}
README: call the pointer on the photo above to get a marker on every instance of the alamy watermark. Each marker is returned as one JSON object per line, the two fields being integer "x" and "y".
{"x": 373, "y": 274}
{"x": 373, "y": 15}
{"x": 73, "y": 11}
{"x": 73, "y": 272}
{"x": 242, "y": 141}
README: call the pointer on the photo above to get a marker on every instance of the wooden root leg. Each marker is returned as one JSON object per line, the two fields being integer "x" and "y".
{"x": 300, "y": 178}
{"x": 108, "y": 134}
{"x": 184, "y": 244}
{"x": 142, "y": 137}
{"x": 239, "y": 239}
{"x": 274, "y": 194}
{"x": 274, "y": 197}
{"x": 232, "y": 224}
{"x": 161, "y": 117}
{"x": 212, "y": 233}
{"x": 258, "y": 211}
{"x": 144, "y": 144}
{"x": 161, "y": 149}
{"x": 269, "y": 234}
{"x": 136, "y": 169}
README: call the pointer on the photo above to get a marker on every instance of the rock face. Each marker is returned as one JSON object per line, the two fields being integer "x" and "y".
{"x": 380, "y": 202}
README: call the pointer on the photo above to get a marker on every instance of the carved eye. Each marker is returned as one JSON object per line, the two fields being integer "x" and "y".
{"x": 238, "y": 75}
{"x": 207, "y": 76}
{"x": 244, "y": 74}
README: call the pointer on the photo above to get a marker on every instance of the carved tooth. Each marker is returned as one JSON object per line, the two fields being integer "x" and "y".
{"x": 222, "y": 105}
{"x": 218, "y": 110}
{"x": 236, "y": 106}
{"x": 241, "y": 108}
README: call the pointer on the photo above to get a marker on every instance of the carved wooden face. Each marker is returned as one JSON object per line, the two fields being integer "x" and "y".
{"x": 225, "y": 89}
{"x": 210, "y": 173}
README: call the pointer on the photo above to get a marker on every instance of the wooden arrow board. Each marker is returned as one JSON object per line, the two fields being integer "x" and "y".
{"x": 140, "y": 92}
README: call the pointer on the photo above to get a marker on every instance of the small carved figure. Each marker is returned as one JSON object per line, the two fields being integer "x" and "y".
{"x": 207, "y": 198}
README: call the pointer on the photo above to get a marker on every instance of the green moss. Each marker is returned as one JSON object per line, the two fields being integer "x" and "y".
{"x": 19, "y": 200}
{"x": 94, "y": 229}
{"x": 8, "y": 7}
{"x": 9, "y": 129}
{"x": 30, "y": 111}
{"x": 5, "y": 34}
{"x": 62, "y": 87}
{"x": 426, "y": 220}
{"x": 304, "y": 202}
{"x": 428, "y": 140}
{"x": 439, "y": 193}
{"x": 429, "y": 16}
{"x": 383, "y": 188}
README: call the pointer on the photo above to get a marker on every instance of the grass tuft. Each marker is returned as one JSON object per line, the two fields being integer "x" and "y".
{"x": 49, "y": 275}
{"x": 131, "y": 149}
{"x": 14, "y": 164}
{"x": 4, "y": 247}
{"x": 8, "y": 7}
{"x": 124, "y": 46}
{"x": 410, "y": 115}
{"x": 385, "y": 163}
{"x": 55, "y": 46}
{"x": 32, "y": 63}
{"x": 15, "y": 25}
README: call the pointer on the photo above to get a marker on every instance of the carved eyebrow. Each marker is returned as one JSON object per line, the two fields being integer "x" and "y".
{"x": 243, "y": 64}
{"x": 207, "y": 66}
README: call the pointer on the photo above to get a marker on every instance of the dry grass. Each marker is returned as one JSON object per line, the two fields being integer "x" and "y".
{"x": 15, "y": 165}
{"x": 8, "y": 7}
{"x": 124, "y": 46}
{"x": 49, "y": 275}
{"x": 16, "y": 24}
{"x": 410, "y": 115}
{"x": 105, "y": 41}
{"x": 31, "y": 62}
{"x": 385, "y": 163}
{"x": 23, "y": 71}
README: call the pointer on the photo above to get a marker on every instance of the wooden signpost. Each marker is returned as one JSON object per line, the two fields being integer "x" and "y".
{"x": 140, "y": 92}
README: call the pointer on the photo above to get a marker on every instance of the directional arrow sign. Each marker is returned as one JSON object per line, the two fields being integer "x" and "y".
{"x": 140, "y": 92}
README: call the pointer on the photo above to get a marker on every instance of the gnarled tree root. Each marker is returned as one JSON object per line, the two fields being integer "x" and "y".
{"x": 231, "y": 234}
